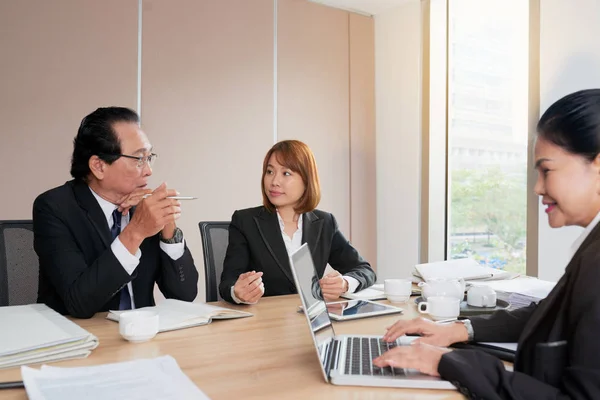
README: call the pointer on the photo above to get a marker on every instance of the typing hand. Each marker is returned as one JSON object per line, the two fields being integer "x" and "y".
{"x": 249, "y": 287}
{"x": 333, "y": 285}
{"x": 422, "y": 357}
{"x": 132, "y": 200}
{"x": 431, "y": 333}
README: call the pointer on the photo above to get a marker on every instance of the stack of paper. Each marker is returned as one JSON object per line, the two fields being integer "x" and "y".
{"x": 465, "y": 268}
{"x": 176, "y": 314}
{"x": 159, "y": 378}
{"x": 35, "y": 333}
{"x": 522, "y": 291}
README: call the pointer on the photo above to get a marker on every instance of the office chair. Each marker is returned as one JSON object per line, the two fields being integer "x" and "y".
{"x": 19, "y": 264}
{"x": 215, "y": 238}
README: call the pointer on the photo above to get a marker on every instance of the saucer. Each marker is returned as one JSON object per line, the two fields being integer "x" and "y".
{"x": 469, "y": 311}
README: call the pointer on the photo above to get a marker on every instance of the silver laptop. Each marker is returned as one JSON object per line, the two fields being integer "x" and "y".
{"x": 347, "y": 360}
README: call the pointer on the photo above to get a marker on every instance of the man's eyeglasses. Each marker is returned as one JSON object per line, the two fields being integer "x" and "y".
{"x": 141, "y": 160}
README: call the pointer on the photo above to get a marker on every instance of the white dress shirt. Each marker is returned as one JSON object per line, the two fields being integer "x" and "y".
{"x": 130, "y": 261}
{"x": 291, "y": 245}
{"x": 577, "y": 243}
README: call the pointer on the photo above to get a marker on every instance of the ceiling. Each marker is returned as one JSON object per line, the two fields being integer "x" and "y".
{"x": 367, "y": 7}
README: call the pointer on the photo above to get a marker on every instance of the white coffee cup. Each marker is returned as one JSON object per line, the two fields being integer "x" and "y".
{"x": 138, "y": 325}
{"x": 440, "y": 307}
{"x": 397, "y": 290}
{"x": 481, "y": 296}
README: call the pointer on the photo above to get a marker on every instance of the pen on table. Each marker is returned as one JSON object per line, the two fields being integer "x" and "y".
{"x": 12, "y": 385}
{"x": 446, "y": 321}
{"x": 175, "y": 197}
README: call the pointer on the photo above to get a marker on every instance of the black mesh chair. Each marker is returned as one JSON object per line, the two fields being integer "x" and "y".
{"x": 19, "y": 265}
{"x": 215, "y": 238}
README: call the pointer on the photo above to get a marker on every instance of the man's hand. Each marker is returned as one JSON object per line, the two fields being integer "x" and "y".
{"x": 151, "y": 216}
{"x": 249, "y": 287}
{"x": 132, "y": 200}
{"x": 333, "y": 285}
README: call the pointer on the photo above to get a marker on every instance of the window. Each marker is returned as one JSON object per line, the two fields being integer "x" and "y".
{"x": 488, "y": 131}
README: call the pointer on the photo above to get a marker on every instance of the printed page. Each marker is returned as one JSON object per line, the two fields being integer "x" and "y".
{"x": 159, "y": 378}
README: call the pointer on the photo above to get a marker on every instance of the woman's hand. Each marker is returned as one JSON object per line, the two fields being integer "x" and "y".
{"x": 333, "y": 285}
{"x": 422, "y": 357}
{"x": 249, "y": 287}
{"x": 431, "y": 333}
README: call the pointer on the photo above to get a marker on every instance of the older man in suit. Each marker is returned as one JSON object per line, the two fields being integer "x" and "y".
{"x": 104, "y": 238}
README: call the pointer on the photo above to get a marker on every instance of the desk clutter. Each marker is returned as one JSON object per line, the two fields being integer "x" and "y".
{"x": 146, "y": 379}
{"x": 35, "y": 334}
{"x": 489, "y": 289}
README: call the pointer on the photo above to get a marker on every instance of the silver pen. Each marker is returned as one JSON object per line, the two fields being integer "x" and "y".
{"x": 175, "y": 197}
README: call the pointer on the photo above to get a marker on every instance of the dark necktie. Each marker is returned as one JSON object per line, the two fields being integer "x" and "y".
{"x": 125, "y": 298}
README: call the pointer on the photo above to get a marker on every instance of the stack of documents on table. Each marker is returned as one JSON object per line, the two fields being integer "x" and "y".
{"x": 176, "y": 314}
{"x": 158, "y": 378}
{"x": 465, "y": 268}
{"x": 35, "y": 333}
{"x": 521, "y": 292}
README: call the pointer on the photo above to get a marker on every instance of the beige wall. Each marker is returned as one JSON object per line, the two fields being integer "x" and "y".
{"x": 58, "y": 62}
{"x": 363, "y": 204}
{"x": 398, "y": 37}
{"x": 207, "y": 98}
{"x": 314, "y": 96}
{"x": 207, "y": 104}
{"x": 569, "y": 61}
{"x": 326, "y": 99}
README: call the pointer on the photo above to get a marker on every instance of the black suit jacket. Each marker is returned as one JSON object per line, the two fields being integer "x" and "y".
{"x": 79, "y": 273}
{"x": 558, "y": 356}
{"x": 255, "y": 243}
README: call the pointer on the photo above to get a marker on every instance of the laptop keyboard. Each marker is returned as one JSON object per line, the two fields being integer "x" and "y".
{"x": 360, "y": 353}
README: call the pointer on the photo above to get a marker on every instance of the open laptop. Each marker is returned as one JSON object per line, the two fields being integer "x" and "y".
{"x": 344, "y": 359}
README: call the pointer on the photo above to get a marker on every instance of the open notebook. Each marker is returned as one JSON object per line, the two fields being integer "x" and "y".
{"x": 35, "y": 333}
{"x": 177, "y": 314}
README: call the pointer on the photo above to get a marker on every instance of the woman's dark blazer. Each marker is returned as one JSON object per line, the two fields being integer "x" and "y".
{"x": 255, "y": 244}
{"x": 558, "y": 356}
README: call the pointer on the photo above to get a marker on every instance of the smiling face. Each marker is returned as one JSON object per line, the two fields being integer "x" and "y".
{"x": 283, "y": 187}
{"x": 568, "y": 184}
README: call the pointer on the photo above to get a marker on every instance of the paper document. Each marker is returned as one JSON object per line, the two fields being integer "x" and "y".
{"x": 176, "y": 314}
{"x": 36, "y": 333}
{"x": 147, "y": 379}
{"x": 465, "y": 268}
{"x": 527, "y": 286}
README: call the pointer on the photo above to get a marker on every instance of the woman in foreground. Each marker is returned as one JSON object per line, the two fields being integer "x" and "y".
{"x": 558, "y": 356}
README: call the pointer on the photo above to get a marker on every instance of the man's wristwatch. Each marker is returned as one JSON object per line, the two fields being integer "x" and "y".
{"x": 469, "y": 326}
{"x": 177, "y": 237}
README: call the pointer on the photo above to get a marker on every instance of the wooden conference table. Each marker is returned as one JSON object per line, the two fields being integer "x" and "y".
{"x": 268, "y": 356}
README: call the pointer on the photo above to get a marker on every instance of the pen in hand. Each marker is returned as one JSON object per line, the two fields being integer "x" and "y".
{"x": 175, "y": 197}
{"x": 12, "y": 385}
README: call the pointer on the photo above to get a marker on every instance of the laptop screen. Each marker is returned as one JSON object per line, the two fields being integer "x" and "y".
{"x": 313, "y": 305}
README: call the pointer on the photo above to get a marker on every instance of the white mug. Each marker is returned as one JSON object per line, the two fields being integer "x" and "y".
{"x": 481, "y": 296}
{"x": 138, "y": 325}
{"x": 397, "y": 290}
{"x": 440, "y": 307}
